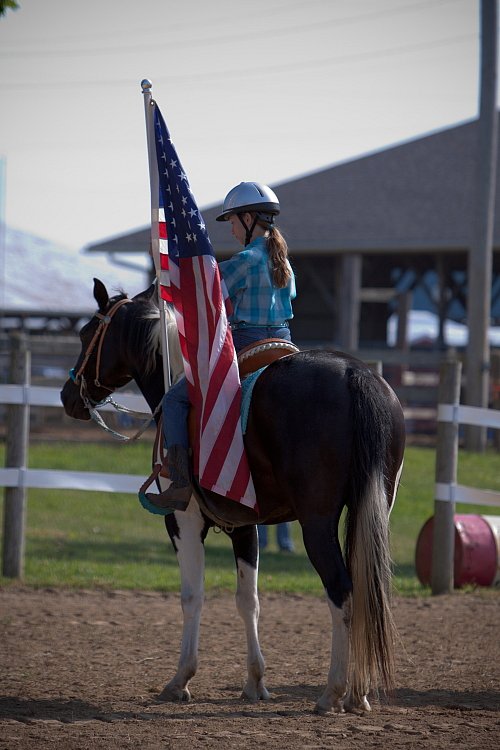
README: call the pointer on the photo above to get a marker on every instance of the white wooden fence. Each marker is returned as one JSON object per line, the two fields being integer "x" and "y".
{"x": 20, "y": 476}
{"x": 17, "y": 478}
{"x": 450, "y": 415}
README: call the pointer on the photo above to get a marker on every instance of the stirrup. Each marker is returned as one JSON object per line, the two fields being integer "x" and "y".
{"x": 147, "y": 499}
{"x": 164, "y": 501}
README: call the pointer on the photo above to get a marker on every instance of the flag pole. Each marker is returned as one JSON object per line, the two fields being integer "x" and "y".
{"x": 149, "y": 105}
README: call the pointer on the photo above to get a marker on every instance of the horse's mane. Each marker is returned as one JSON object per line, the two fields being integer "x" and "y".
{"x": 144, "y": 332}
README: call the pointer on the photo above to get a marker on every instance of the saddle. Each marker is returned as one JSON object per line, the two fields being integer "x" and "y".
{"x": 224, "y": 512}
{"x": 262, "y": 353}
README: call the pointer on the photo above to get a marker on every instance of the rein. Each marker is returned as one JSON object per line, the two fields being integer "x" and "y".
{"x": 78, "y": 378}
{"x": 96, "y": 417}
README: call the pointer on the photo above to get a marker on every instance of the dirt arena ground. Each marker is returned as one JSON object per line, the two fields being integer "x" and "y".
{"x": 80, "y": 669}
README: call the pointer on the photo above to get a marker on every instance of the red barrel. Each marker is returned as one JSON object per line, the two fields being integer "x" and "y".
{"x": 477, "y": 551}
{"x": 494, "y": 524}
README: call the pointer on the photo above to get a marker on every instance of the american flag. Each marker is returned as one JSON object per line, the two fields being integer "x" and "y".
{"x": 189, "y": 278}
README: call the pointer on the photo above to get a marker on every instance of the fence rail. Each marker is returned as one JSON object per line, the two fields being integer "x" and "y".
{"x": 42, "y": 395}
{"x": 52, "y": 355}
{"x": 27, "y": 395}
{"x": 34, "y": 395}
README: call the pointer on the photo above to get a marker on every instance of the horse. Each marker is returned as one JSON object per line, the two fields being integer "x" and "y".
{"x": 324, "y": 434}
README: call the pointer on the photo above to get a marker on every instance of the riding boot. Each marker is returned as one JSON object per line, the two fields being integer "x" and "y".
{"x": 178, "y": 495}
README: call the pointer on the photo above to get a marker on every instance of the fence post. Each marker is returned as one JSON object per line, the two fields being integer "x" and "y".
{"x": 16, "y": 454}
{"x": 443, "y": 545}
{"x": 495, "y": 386}
{"x": 375, "y": 365}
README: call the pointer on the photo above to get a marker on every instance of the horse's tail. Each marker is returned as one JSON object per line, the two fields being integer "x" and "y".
{"x": 367, "y": 549}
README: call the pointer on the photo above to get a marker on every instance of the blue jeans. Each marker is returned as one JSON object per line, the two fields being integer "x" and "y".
{"x": 282, "y": 536}
{"x": 176, "y": 400}
{"x": 248, "y": 334}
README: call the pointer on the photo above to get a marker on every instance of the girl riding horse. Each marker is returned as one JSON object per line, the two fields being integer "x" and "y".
{"x": 261, "y": 286}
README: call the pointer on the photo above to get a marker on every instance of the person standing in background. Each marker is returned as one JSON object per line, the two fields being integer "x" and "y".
{"x": 283, "y": 538}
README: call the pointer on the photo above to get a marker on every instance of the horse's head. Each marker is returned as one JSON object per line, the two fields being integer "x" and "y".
{"x": 104, "y": 363}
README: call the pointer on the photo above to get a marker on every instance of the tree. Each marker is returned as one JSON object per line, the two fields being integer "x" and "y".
{"x": 4, "y": 4}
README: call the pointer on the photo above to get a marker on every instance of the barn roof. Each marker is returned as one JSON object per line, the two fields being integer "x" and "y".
{"x": 415, "y": 196}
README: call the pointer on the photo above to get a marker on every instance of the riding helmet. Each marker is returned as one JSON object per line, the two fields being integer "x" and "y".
{"x": 250, "y": 196}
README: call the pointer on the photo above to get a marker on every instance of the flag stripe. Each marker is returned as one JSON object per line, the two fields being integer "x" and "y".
{"x": 218, "y": 462}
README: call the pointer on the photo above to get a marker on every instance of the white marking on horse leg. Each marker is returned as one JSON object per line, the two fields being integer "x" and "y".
{"x": 331, "y": 699}
{"x": 247, "y": 603}
{"x": 191, "y": 559}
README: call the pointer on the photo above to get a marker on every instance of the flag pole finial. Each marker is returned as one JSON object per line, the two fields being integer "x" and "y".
{"x": 146, "y": 86}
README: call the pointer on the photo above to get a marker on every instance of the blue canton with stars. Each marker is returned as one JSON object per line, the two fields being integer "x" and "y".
{"x": 186, "y": 231}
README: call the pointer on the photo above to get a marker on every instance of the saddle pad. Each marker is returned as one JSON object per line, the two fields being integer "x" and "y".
{"x": 247, "y": 385}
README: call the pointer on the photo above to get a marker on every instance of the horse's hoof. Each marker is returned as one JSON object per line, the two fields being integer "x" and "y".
{"x": 260, "y": 694}
{"x": 330, "y": 702}
{"x": 174, "y": 694}
{"x": 358, "y": 707}
{"x": 322, "y": 710}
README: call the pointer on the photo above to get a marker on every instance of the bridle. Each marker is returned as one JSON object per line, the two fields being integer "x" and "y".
{"x": 98, "y": 338}
{"x": 78, "y": 378}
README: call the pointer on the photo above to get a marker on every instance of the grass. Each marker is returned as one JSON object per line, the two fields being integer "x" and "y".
{"x": 89, "y": 539}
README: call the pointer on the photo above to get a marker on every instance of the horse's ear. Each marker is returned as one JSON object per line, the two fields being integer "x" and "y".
{"x": 148, "y": 294}
{"x": 100, "y": 294}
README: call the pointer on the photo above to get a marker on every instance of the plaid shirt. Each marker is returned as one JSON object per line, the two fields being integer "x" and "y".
{"x": 254, "y": 298}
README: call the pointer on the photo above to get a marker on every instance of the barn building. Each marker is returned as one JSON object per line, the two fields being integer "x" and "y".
{"x": 367, "y": 234}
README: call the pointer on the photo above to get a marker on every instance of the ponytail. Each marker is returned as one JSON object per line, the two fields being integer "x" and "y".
{"x": 278, "y": 254}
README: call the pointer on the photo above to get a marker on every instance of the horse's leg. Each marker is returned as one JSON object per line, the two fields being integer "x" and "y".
{"x": 322, "y": 545}
{"x": 246, "y": 552}
{"x": 187, "y": 531}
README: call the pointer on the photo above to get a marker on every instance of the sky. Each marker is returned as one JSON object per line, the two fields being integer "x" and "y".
{"x": 266, "y": 91}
